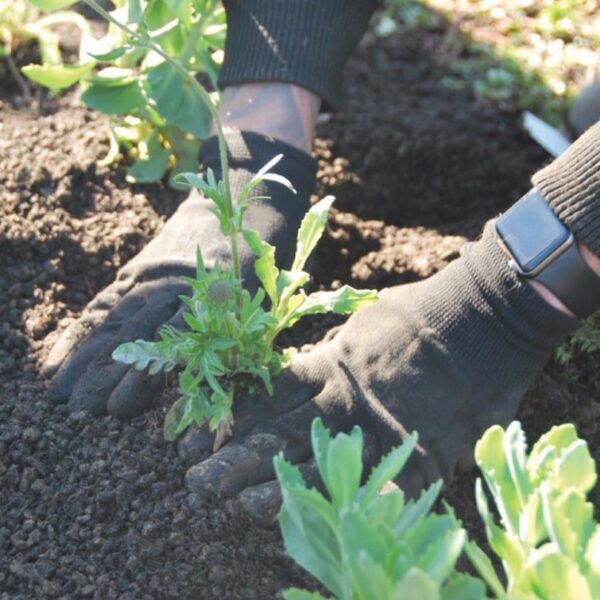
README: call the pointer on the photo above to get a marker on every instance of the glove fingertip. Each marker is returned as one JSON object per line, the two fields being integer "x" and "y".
{"x": 262, "y": 502}
{"x": 135, "y": 394}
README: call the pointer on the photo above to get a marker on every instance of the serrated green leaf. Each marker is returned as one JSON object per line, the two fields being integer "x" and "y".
{"x": 321, "y": 440}
{"x": 440, "y": 555}
{"x": 114, "y": 100}
{"x": 307, "y": 535}
{"x": 344, "y": 468}
{"x": 57, "y": 77}
{"x": 419, "y": 509}
{"x": 388, "y": 469}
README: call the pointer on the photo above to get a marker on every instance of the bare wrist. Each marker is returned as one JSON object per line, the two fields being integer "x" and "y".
{"x": 283, "y": 111}
{"x": 593, "y": 262}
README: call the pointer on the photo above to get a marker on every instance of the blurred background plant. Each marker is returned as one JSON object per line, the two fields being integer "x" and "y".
{"x": 19, "y": 26}
{"x": 155, "y": 118}
{"x": 520, "y": 54}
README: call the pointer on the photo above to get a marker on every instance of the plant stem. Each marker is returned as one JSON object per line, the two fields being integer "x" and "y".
{"x": 205, "y": 97}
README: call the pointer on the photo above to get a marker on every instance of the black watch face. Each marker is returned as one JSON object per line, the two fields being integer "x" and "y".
{"x": 531, "y": 231}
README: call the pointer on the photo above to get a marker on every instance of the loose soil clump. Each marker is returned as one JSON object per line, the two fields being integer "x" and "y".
{"x": 96, "y": 507}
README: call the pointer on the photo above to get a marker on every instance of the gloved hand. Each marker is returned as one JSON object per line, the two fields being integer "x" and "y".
{"x": 447, "y": 357}
{"x": 146, "y": 292}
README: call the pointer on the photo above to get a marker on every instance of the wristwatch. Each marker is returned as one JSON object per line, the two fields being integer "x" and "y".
{"x": 541, "y": 248}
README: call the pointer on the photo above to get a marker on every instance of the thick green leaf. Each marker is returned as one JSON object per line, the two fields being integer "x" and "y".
{"x": 417, "y": 584}
{"x": 556, "y": 575}
{"x": 491, "y": 459}
{"x": 515, "y": 448}
{"x": 344, "y": 468}
{"x": 177, "y": 101}
{"x": 547, "y": 449}
{"x": 57, "y": 77}
{"x": 463, "y": 587}
{"x": 310, "y": 232}
{"x": 575, "y": 468}
{"x": 484, "y": 567}
{"x": 114, "y": 100}
{"x": 358, "y": 535}
{"x": 568, "y": 518}
{"x": 504, "y": 543}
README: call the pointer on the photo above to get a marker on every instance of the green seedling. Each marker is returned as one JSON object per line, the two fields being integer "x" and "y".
{"x": 547, "y": 538}
{"x": 156, "y": 116}
{"x": 361, "y": 543}
{"x": 230, "y": 341}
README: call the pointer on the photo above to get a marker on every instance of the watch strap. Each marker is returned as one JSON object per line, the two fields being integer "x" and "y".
{"x": 573, "y": 282}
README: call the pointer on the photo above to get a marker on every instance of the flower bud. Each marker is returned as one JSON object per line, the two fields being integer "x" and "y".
{"x": 218, "y": 292}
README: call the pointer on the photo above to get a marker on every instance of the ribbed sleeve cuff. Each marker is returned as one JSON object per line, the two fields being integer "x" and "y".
{"x": 571, "y": 186}
{"x": 305, "y": 42}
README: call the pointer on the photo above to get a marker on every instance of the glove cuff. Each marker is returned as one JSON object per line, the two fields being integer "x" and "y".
{"x": 571, "y": 186}
{"x": 514, "y": 301}
{"x": 248, "y": 152}
{"x": 305, "y": 42}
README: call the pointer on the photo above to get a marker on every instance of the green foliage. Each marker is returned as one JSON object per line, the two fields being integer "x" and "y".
{"x": 20, "y": 23}
{"x": 231, "y": 333}
{"x": 155, "y": 114}
{"x": 585, "y": 340}
{"x": 361, "y": 543}
{"x": 547, "y": 538}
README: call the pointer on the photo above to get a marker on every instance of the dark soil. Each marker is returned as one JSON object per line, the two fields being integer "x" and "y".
{"x": 97, "y": 508}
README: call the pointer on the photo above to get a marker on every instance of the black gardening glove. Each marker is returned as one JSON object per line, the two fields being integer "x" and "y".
{"x": 146, "y": 292}
{"x": 447, "y": 357}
